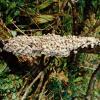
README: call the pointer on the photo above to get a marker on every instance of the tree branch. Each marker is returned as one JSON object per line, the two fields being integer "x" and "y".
{"x": 91, "y": 85}
{"x": 51, "y": 45}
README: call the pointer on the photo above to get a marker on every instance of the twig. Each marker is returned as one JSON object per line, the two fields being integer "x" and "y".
{"x": 28, "y": 89}
{"x": 63, "y": 5}
{"x": 93, "y": 69}
{"x": 39, "y": 85}
{"x": 18, "y": 29}
{"x": 91, "y": 85}
{"x": 40, "y": 96}
{"x": 21, "y": 90}
{"x": 50, "y": 60}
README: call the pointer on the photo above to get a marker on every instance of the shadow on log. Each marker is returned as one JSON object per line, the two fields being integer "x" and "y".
{"x": 15, "y": 66}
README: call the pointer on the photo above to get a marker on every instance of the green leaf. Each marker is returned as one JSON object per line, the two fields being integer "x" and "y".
{"x": 3, "y": 65}
{"x": 78, "y": 79}
{"x": 16, "y": 13}
{"x": 45, "y": 4}
{"x": 12, "y": 5}
{"x": 9, "y": 19}
{"x": 13, "y": 33}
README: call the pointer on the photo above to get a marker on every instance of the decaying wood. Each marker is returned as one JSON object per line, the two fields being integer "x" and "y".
{"x": 51, "y": 45}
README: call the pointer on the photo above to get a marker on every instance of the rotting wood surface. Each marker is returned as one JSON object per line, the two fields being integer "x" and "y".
{"x": 50, "y": 45}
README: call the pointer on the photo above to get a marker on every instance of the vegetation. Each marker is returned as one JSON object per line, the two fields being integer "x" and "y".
{"x": 76, "y": 77}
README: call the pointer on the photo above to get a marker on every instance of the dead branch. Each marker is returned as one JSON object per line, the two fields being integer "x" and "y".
{"x": 43, "y": 90}
{"x": 91, "y": 85}
{"x": 28, "y": 89}
{"x": 50, "y": 45}
{"x": 37, "y": 91}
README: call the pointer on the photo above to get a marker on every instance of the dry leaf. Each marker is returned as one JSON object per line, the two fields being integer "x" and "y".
{"x": 39, "y": 19}
{"x": 4, "y": 31}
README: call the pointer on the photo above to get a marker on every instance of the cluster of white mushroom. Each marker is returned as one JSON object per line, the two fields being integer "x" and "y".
{"x": 49, "y": 45}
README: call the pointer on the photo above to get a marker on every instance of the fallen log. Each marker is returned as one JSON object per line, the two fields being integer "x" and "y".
{"x": 23, "y": 51}
{"x": 51, "y": 45}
